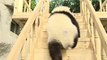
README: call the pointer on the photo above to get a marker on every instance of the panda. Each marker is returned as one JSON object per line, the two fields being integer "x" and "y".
{"x": 63, "y": 31}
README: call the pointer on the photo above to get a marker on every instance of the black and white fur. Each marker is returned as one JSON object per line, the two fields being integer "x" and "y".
{"x": 63, "y": 31}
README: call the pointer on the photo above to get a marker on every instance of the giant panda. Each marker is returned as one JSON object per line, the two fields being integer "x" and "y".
{"x": 63, "y": 31}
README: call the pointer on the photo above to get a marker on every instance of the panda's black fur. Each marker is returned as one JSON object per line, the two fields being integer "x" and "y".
{"x": 54, "y": 46}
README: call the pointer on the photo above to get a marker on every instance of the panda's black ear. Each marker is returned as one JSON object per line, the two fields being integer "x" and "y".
{"x": 71, "y": 9}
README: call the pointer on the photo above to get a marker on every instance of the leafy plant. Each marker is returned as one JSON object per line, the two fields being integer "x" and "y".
{"x": 74, "y": 4}
{"x": 96, "y": 5}
{"x": 33, "y": 4}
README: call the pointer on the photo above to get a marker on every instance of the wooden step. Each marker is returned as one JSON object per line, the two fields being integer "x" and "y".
{"x": 82, "y": 25}
{"x": 41, "y": 54}
{"x": 83, "y": 43}
{"x": 79, "y": 54}
{"x": 83, "y": 33}
{"x": 71, "y": 54}
{"x": 79, "y": 19}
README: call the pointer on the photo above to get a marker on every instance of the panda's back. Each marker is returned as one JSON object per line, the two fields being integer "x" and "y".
{"x": 61, "y": 28}
{"x": 60, "y": 21}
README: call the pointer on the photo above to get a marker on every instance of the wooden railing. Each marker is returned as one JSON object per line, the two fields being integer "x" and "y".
{"x": 104, "y": 6}
{"x": 95, "y": 29}
{"x": 22, "y": 6}
{"x": 30, "y": 34}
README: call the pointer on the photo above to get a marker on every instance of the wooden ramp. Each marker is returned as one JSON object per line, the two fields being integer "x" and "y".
{"x": 82, "y": 50}
{"x": 32, "y": 41}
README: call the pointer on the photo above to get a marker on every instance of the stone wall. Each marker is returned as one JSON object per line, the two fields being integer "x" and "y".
{"x": 7, "y": 38}
{"x": 7, "y": 2}
{"x": 5, "y": 20}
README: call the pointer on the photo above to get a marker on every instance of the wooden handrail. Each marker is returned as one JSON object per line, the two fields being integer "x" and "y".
{"x": 27, "y": 5}
{"x": 22, "y": 37}
{"x": 104, "y": 3}
{"x": 98, "y": 25}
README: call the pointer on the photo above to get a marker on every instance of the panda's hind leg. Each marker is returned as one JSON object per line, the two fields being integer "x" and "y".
{"x": 55, "y": 50}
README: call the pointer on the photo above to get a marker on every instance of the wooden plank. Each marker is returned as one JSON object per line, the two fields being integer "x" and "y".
{"x": 104, "y": 3}
{"x": 27, "y": 5}
{"x": 18, "y": 6}
{"x": 100, "y": 5}
{"x": 79, "y": 54}
{"x": 101, "y": 14}
{"x": 20, "y": 16}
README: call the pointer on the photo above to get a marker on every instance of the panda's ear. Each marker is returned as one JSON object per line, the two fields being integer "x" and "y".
{"x": 71, "y": 9}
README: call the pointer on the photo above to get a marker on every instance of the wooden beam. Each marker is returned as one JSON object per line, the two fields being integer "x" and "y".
{"x": 100, "y": 5}
{"x": 101, "y": 14}
{"x": 27, "y": 5}
{"x": 18, "y": 6}
{"x": 104, "y": 3}
{"x": 20, "y": 16}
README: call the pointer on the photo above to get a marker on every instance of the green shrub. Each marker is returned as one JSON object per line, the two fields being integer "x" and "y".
{"x": 33, "y": 4}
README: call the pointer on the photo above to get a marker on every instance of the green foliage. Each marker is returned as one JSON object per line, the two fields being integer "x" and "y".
{"x": 52, "y": 5}
{"x": 55, "y": 3}
{"x": 33, "y": 4}
{"x": 95, "y": 4}
{"x": 73, "y": 4}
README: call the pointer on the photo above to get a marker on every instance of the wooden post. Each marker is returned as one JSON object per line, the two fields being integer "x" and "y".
{"x": 92, "y": 33}
{"x": 41, "y": 51}
{"x": 106, "y": 7}
{"x": 31, "y": 43}
{"x": 100, "y": 5}
{"x": 81, "y": 6}
{"x": 98, "y": 25}
{"x": 98, "y": 46}
{"x": 24, "y": 51}
{"x": 15, "y": 6}
{"x": 18, "y": 6}
{"x": 30, "y": 5}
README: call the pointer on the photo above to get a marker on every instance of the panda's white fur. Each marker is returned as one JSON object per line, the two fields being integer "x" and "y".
{"x": 61, "y": 8}
{"x": 59, "y": 28}
{"x": 61, "y": 31}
